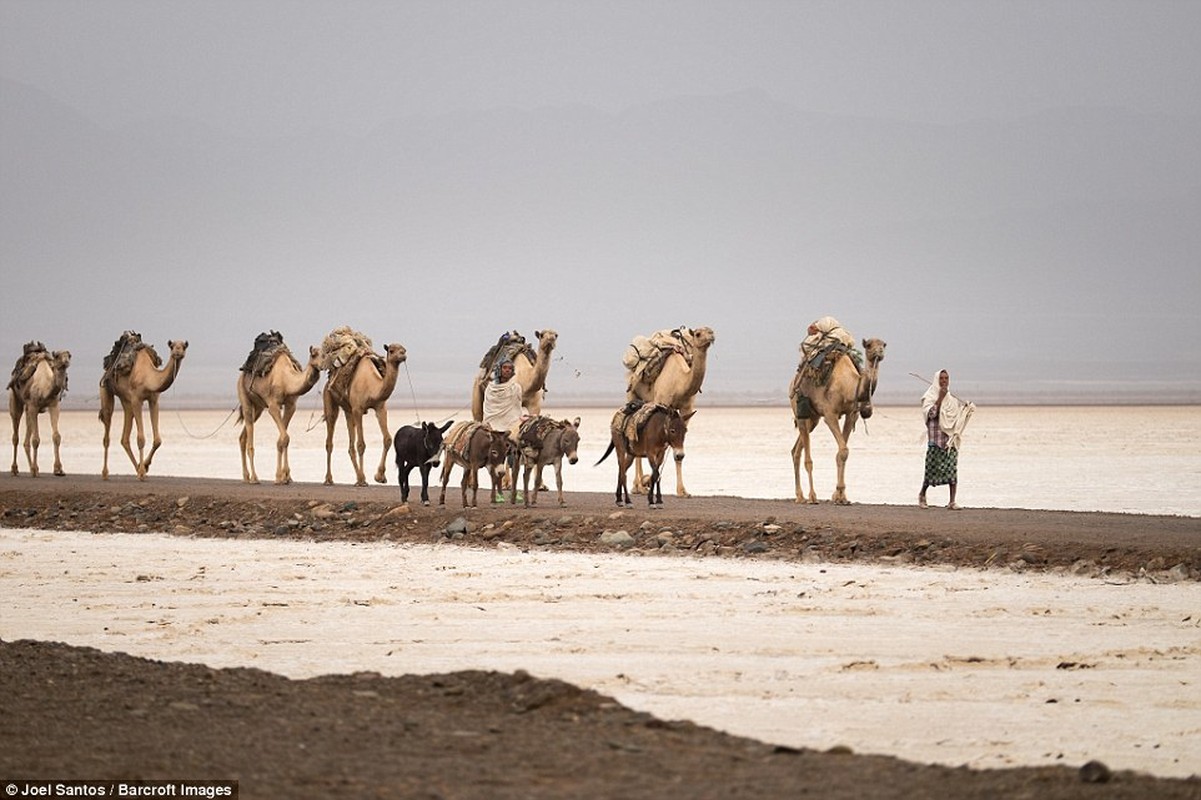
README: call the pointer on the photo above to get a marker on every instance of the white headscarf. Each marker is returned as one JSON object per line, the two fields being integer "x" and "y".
{"x": 953, "y": 415}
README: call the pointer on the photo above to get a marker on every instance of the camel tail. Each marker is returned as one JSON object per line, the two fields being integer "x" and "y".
{"x": 606, "y": 455}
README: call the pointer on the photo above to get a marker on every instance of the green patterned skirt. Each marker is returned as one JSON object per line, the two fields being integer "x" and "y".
{"x": 942, "y": 466}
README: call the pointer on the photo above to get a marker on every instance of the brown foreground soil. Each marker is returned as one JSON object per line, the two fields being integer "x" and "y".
{"x": 78, "y": 713}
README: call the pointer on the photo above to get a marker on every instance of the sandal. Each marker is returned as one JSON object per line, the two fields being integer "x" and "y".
{"x": 952, "y": 506}
{"x": 921, "y": 502}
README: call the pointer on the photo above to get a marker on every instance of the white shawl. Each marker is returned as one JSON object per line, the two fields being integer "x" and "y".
{"x": 502, "y": 404}
{"x": 953, "y": 416}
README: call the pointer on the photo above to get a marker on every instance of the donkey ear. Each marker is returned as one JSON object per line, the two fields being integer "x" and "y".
{"x": 447, "y": 425}
{"x": 575, "y": 423}
{"x": 689, "y": 415}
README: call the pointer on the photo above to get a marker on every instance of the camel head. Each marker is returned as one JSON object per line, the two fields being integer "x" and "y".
{"x": 314, "y": 357}
{"x": 873, "y": 350}
{"x": 702, "y": 338}
{"x": 546, "y": 339}
{"x": 177, "y": 348}
{"x": 61, "y": 359}
{"x": 396, "y": 353}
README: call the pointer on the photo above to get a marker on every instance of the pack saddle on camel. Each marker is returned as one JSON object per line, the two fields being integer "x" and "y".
{"x": 832, "y": 382}
{"x": 272, "y": 380}
{"x": 38, "y": 382}
{"x": 667, "y": 368}
{"x": 359, "y": 381}
{"x": 134, "y": 373}
{"x": 530, "y": 368}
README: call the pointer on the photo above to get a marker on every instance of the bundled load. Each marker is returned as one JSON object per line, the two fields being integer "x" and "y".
{"x": 631, "y": 418}
{"x": 457, "y": 440}
{"x": 507, "y": 348}
{"x": 531, "y": 433}
{"x": 119, "y": 360}
{"x": 31, "y": 354}
{"x": 266, "y": 346}
{"x": 343, "y": 346}
{"x": 645, "y": 355}
{"x": 826, "y": 341}
{"x": 341, "y": 351}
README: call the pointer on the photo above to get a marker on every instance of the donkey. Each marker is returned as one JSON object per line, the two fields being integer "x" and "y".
{"x": 541, "y": 441}
{"x": 472, "y": 445}
{"x": 656, "y": 428}
{"x": 417, "y": 447}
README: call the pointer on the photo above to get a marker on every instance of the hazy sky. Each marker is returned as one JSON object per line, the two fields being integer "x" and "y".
{"x": 1009, "y": 189}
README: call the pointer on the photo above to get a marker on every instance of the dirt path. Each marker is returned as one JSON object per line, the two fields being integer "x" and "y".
{"x": 1166, "y": 548}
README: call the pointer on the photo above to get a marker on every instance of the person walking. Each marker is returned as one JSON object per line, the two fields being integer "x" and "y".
{"x": 503, "y": 405}
{"x": 946, "y": 416}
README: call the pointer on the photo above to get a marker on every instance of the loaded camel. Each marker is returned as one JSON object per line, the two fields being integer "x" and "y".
{"x": 273, "y": 389}
{"x": 141, "y": 382}
{"x": 646, "y": 431}
{"x": 676, "y": 386}
{"x": 530, "y": 375}
{"x": 38, "y": 383}
{"x": 364, "y": 389}
{"x": 846, "y": 393}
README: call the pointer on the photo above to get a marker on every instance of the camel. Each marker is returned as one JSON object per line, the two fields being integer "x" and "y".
{"x": 676, "y": 386}
{"x": 366, "y": 390}
{"x": 530, "y": 376}
{"x": 275, "y": 392}
{"x": 847, "y": 393}
{"x": 38, "y": 384}
{"x": 142, "y": 383}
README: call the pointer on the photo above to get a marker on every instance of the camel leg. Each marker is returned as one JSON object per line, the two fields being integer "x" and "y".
{"x": 381, "y": 416}
{"x": 15, "y": 410}
{"x": 106, "y": 420}
{"x": 126, "y": 429}
{"x": 680, "y": 490}
{"x": 56, "y": 438}
{"x": 840, "y": 488}
{"x": 246, "y": 445}
{"x": 281, "y": 444}
{"x": 354, "y": 424}
{"x": 156, "y": 441}
{"x": 284, "y": 471}
{"x": 330, "y": 416}
{"x": 804, "y": 449}
{"x": 32, "y": 438}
